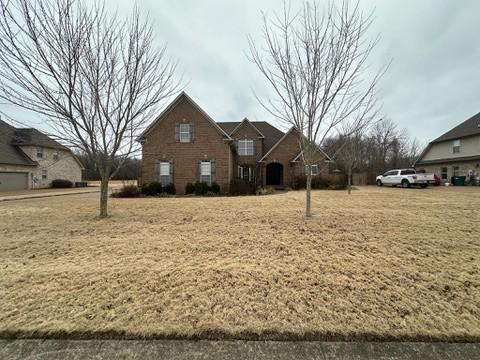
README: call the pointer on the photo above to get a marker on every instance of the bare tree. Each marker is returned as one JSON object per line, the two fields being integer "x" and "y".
{"x": 315, "y": 62}
{"x": 95, "y": 79}
{"x": 351, "y": 154}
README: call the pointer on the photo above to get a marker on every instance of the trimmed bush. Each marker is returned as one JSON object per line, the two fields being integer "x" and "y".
{"x": 189, "y": 188}
{"x": 155, "y": 188}
{"x": 318, "y": 182}
{"x": 61, "y": 183}
{"x": 128, "y": 191}
{"x": 201, "y": 188}
{"x": 215, "y": 188}
{"x": 242, "y": 187}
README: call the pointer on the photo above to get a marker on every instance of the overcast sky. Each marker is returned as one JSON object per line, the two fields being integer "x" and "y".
{"x": 432, "y": 84}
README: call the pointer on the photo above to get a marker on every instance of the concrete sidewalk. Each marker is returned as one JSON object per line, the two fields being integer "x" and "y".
{"x": 241, "y": 350}
{"x": 41, "y": 194}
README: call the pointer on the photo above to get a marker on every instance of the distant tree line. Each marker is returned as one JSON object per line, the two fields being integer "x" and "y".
{"x": 130, "y": 168}
{"x": 383, "y": 147}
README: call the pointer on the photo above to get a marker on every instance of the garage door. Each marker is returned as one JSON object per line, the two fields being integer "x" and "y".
{"x": 13, "y": 181}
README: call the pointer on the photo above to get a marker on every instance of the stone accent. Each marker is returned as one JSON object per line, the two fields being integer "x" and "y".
{"x": 65, "y": 167}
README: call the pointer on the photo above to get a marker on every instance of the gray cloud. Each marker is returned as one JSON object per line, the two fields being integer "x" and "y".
{"x": 431, "y": 85}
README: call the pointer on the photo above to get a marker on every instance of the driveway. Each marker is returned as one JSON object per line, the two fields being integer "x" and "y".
{"x": 241, "y": 350}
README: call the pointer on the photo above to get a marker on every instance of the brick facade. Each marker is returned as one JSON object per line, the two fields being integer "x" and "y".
{"x": 208, "y": 143}
{"x": 160, "y": 144}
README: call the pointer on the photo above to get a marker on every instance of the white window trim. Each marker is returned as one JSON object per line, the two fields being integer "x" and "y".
{"x": 185, "y": 135}
{"x": 206, "y": 171}
{"x": 40, "y": 151}
{"x": 164, "y": 173}
{"x": 44, "y": 177}
{"x": 56, "y": 155}
{"x": 456, "y": 146}
{"x": 246, "y": 147}
{"x": 242, "y": 169}
{"x": 312, "y": 172}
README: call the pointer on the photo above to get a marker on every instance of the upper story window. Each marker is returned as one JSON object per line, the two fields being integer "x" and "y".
{"x": 456, "y": 146}
{"x": 206, "y": 172}
{"x": 55, "y": 156}
{"x": 185, "y": 133}
{"x": 44, "y": 174}
{"x": 40, "y": 153}
{"x": 164, "y": 173}
{"x": 246, "y": 147}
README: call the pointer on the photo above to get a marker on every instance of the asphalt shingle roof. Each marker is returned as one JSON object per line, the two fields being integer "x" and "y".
{"x": 467, "y": 128}
{"x": 9, "y": 153}
{"x": 11, "y": 138}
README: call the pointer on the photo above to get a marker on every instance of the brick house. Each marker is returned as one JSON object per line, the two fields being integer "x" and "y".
{"x": 30, "y": 159}
{"x": 455, "y": 153}
{"x": 185, "y": 145}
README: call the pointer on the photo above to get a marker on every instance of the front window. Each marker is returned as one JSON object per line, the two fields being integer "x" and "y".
{"x": 313, "y": 169}
{"x": 164, "y": 173}
{"x": 44, "y": 174}
{"x": 40, "y": 153}
{"x": 185, "y": 133}
{"x": 245, "y": 147}
{"x": 206, "y": 172}
{"x": 55, "y": 156}
{"x": 444, "y": 173}
{"x": 456, "y": 171}
{"x": 456, "y": 146}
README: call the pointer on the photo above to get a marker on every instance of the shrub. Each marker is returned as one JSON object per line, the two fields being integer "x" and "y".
{"x": 155, "y": 188}
{"x": 318, "y": 182}
{"x": 128, "y": 191}
{"x": 201, "y": 188}
{"x": 61, "y": 183}
{"x": 242, "y": 187}
{"x": 189, "y": 188}
{"x": 215, "y": 188}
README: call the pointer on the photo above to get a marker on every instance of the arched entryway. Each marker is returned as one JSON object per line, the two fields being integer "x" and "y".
{"x": 274, "y": 174}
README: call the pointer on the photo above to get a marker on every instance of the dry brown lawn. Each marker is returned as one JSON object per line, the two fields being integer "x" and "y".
{"x": 379, "y": 264}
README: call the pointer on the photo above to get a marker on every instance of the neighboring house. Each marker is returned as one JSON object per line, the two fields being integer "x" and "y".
{"x": 185, "y": 145}
{"x": 455, "y": 153}
{"x": 30, "y": 159}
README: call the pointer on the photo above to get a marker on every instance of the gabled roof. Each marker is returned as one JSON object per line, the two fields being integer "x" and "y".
{"x": 9, "y": 153}
{"x": 277, "y": 143}
{"x": 33, "y": 137}
{"x": 319, "y": 149}
{"x": 182, "y": 95}
{"x": 271, "y": 133}
{"x": 245, "y": 120}
{"x": 469, "y": 127}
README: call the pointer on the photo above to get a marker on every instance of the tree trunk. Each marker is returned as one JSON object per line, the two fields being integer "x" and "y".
{"x": 349, "y": 186}
{"x": 104, "y": 198}
{"x": 308, "y": 203}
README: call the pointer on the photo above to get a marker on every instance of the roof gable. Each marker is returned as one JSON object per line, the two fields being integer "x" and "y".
{"x": 182, "y": 96}
{"x": 469, "y": 127}
{"x": 247, "y": 122}
{"x": 271, "y": 133}
{"x": 10, "y": 153}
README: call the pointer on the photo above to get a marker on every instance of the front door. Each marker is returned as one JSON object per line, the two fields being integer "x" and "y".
{"x": 274, "y": 174}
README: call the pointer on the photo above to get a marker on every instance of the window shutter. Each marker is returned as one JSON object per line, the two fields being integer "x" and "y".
{"x": 157, "y": 170}
{"x": 177, "y": 132}
{"x": 199, "y": 170}
{"x": 192, "y": 132}
{"x": 213, "y": 169}
{"x": 171, "y": 171}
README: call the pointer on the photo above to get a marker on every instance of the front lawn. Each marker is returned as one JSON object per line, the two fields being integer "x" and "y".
{"x": 382, "y": 263}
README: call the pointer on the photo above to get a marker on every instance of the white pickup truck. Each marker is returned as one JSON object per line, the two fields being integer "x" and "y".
{"x": 405, "y": 178}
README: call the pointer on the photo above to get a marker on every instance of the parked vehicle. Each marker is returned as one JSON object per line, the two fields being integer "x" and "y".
{"x": 406, "y": 178}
